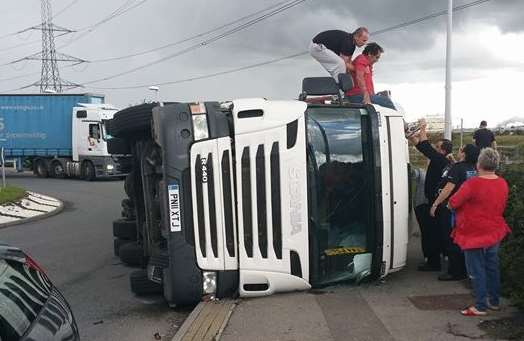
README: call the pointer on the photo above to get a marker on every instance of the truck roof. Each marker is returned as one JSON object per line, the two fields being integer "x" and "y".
{"x": 103, "y": 106}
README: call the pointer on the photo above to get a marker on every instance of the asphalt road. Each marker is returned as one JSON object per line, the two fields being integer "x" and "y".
{"x": 75, "y": 248}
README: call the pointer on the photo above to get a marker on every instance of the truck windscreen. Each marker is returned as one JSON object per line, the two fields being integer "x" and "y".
{"x": 105, "y": 134}
{"x": 340, "y": 191}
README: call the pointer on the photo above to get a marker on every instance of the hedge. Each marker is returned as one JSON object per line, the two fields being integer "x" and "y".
{"x": 512, "y": 249}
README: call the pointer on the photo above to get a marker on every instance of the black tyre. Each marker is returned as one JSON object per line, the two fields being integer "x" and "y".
{"x": 57, "y": 169}
{"x": 125, "y": 164}
{"x": 133, "y": 122}
{"x": 141, "y": 285}
{"x": 128, "y": 204}
{"x": 129, "y": 185}
{"x": 128, "y": 209}
{"x": 88, "y": 171}
{"x": 132, "y": 254}
{"x": 41, "y": 169}
{"x": 118, "y": 146}
{"x": 125, "y": 229}
{"x": 117, "y": 243}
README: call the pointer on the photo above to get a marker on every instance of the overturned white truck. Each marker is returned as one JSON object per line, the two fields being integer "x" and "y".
{"x": 252, "y": 197}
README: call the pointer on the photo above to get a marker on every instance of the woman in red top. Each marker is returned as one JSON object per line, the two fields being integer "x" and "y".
{"x": 480, "y": 227}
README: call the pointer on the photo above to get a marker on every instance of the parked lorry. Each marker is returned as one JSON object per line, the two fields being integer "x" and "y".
{"x": 58, "y": 135}
{"x": 252, "y": 197}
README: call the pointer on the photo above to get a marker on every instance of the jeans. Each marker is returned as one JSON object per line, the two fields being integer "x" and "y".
{"x": 375, "y": 99}
{"x": 329, "y": 60}
{"x": 483, "y": 269}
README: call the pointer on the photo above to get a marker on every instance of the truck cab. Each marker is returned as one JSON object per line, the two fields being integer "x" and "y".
{"x": 253, "y": 197}
{"x": 90, "y": 140}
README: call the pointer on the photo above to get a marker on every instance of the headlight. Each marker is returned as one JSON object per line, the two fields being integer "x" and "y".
{"x": 209, "y": 282}
{"x": 200, "y": 127}
{"x": 110, "y": 167}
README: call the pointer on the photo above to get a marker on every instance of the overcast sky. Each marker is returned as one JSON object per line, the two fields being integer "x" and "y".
{"x": 488, "y": 50}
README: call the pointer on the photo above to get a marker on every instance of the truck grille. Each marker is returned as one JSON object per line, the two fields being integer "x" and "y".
{"x": 266, "y": 239}
{"x": 213, "y": 204}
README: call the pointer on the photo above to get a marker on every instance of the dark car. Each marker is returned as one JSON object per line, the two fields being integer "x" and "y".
{"x": 31, "y": 307}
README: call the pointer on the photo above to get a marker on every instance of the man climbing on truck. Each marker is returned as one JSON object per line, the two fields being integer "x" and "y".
{"x": 334, "y": 49}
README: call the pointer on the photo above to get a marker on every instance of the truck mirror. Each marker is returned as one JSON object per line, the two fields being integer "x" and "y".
{"x": 345, "y": 82}
{"x": 81, "y": 114}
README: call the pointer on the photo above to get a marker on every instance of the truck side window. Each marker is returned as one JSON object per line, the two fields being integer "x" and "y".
{"x": 94, "y": 131}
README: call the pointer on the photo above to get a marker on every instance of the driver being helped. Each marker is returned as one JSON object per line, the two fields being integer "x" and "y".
{"x": 363, "y": 90}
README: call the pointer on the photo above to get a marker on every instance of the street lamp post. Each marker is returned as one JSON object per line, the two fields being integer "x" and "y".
{"x": 2, "y": 159}
{"x": 447, "y": 112}
{"x": 156, "y": 89}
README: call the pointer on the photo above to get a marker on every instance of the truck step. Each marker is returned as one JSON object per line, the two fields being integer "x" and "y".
{"x": 206, "y": 322}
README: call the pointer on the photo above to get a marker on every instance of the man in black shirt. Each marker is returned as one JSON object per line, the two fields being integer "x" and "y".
{"x": 452, "y": 179}
{"x": 438, "y": 160}
{"x": 483, "y": 137}
{"x": 333, "y": 49}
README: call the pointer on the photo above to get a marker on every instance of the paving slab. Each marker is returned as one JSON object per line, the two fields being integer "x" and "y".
{"x": 407, "y": 305}
{"x": 285, "y": 317}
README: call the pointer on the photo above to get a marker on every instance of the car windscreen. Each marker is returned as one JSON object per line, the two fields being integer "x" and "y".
{"x": 23, "y": 293}
{"x": 340, "y": 190}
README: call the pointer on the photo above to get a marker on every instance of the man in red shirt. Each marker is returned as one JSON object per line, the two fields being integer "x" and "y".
{"x": 363, "y": 90}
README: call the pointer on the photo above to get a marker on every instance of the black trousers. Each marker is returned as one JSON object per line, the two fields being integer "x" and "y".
{"x": 430, "y": 234}
{"x": 456, "y": 261}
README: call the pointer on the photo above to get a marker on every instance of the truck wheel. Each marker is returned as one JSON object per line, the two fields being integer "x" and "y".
{"x": 132, "y": 122}
{"x": 132, "y": 254}
{"x": 128, "y": 209}
{"x": 41, "y": 169}
{"x": 141, "y": 285}
{"x": 117, "y": 243}
{"x": 125, "y": 229}
{"x": 88, "y": 171}
{"x": 57, "y": 169}
{"x": 118, "y": 146}
{"x": 129, "y": 185}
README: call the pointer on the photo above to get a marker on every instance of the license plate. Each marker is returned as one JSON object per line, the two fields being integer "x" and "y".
{"x": 174, "y": 208}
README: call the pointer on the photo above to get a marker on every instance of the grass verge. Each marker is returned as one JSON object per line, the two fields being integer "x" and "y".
{"x": 10, "y": 194}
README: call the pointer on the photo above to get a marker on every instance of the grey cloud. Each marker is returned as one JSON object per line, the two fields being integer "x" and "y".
{"x": 160, "y": 22}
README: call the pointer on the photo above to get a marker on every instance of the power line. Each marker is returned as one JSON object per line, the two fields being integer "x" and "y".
{"x": 72, "y": 3}
{"x": 19, "y": 76}
{"x": 430, "y": 16}
{"x": 184, "y": 40}
{"x": 295, "y": 55}
{"x": 276, "y": 60}
{"x": 126, "y": 7}
{"x": 243, "y": 68}
{"x": 119, "y": 11}
{"x": 205, "y": 42}
{"x": 27, "y": 29}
